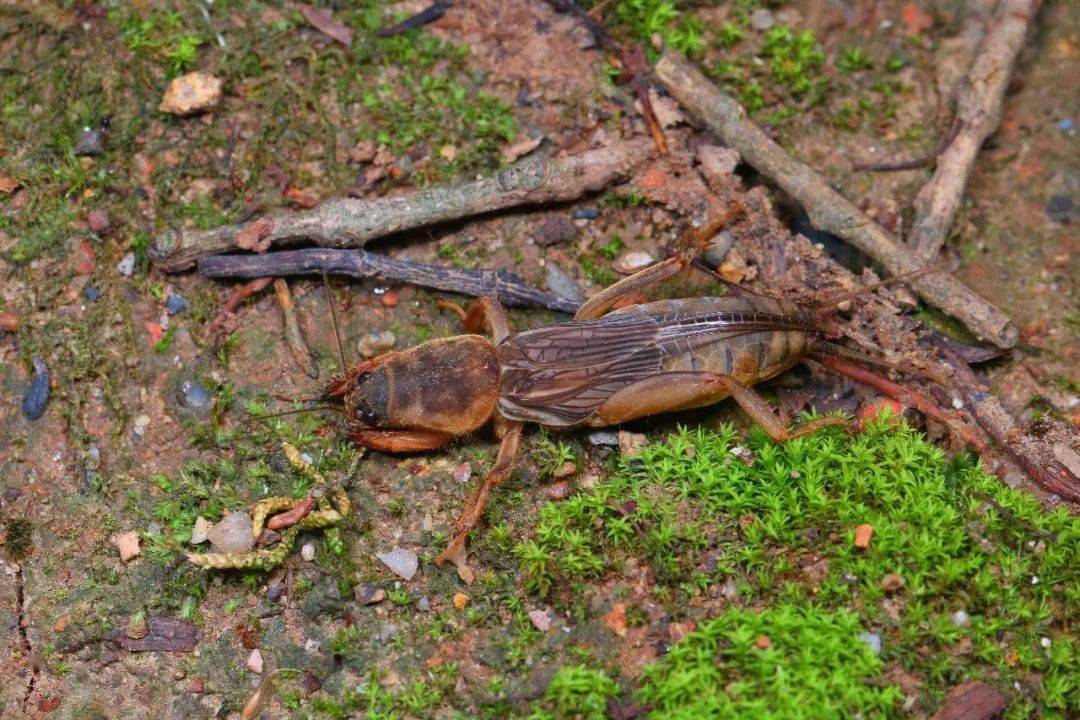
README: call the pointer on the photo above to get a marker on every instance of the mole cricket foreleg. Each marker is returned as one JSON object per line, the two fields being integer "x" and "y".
{"x": 478, "y": 499}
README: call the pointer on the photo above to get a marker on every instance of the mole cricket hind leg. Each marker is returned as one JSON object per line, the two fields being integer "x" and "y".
{"x": 764, "y": 415}
{"x": 478, "y": 498}
{"x": 671, "y": 392}
{"x": 400, "y": 441}
{"x": 691, "y": 245}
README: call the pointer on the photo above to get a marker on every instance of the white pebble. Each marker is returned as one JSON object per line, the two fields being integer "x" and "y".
{"x": 1045, "y": 642}
{"x": 255, "y": 662}
{"x": 308, "y": 552}
{"x": 961, "y": 619}
{"x": 957, "y": 403}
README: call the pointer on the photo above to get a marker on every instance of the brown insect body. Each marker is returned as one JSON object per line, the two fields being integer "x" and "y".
{"x": 572, "y": 373}
{"x": 604, "y": 367}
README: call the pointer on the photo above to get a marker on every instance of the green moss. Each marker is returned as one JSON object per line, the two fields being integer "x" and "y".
{"x": 578, "y": 692}
{"x": 810, "y": 664}
{"x": 701, "y": 517}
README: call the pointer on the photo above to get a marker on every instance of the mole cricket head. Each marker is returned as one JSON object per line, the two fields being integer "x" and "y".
{"x": 446, "y": 386}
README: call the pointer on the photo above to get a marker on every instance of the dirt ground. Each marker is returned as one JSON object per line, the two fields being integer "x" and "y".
{"x": 145, "y": 426}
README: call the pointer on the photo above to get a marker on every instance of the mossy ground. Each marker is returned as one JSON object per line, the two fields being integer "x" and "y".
{"x": 693, "y": 543}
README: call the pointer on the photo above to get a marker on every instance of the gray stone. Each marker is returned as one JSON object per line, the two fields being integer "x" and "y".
{"x": 873, "y": 640}
{"x": 232, "y": 534}
{"x": 402, "y": 561}
{"x": 562, "y": 284}
{"x": 126, "y": 266}
{"x": 762, "y": 19}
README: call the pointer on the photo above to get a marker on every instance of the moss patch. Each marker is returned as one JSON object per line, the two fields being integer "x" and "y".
{"x": 984, "y": 595}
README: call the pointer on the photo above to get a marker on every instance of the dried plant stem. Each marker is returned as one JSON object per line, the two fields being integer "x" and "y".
{"x": 828, "y": 210}
{"x": 351, "y": 222}
{"x": 507, "y": 286}
{"x": 978, "y": 113}
{"x": 297, "y": 346}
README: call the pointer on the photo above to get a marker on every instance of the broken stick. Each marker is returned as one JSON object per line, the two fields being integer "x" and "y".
{"x": 508, "y": 287}
{"x": 295, "y": 340}
{"x": 978, "y": 113}
{"x": 350, "y": 222}
{"x": 828, "y": 209}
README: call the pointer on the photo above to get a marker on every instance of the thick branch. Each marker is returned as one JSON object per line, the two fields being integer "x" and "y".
{"x": 828, "y": 210}
{"x": 978, "y": 114}
{"x": 505, "y": 285}
{"x": 349, "y": 222}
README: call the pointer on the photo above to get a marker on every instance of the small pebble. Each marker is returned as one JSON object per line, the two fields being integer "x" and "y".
{"x": 232, "y": 534}
{"x": 540, "y": 620}
{"x": 1066, "y": 126}
{"x": 718, "y": 249}
{"x": 631, "y": 444}
{"x": 603, "y": 437}
{"x": 401, "y": 561}
{"x": 462, "y": 473}
{"x": 312, "y": 646}
{"x": 556, "y": 229}
{"x": 274, "y": 590}
{"x": 1045, "y": 642}
{"x": 586, "y": 213}
{"x": 960, "y": 619}
{"x": 140, "y": 423}
{"x": 126, "y": 266}
{"x": 128, "y": 545}
{"x": 390, "y": 298}
{"x": 37, "y": 394}
{"x": 957, "y": 403}
{"x": 631, "y": 262}
{"x": 562, "y": 284}
{"x": 307, "y": 552}
{"x": 369, "y": 594}
{"x": 558, "y": 491}
{"x": 863, "y": 533}
{"x": 255, "y": 662}
{"x": 198, "y": 532}
{"x": 376, "y": 343}
{"x": 763, "y": 642}
{"x": 1060, "y": 209}
{"x": 761, "y": 19}
{"x": 460, "y": 600}
{"x": 92, "y": 294}
{"x": 873, "y": 640}
{"x": 423, "y": 604}
{"x": 191, "y": 93}
{"x": 386, "y": 632}
{"x": 91, "y": 141}
{"x": 99, "y": 222}
{"x": 194, "y": 395}
{"x": 175, "y": 303}
{"x": 892, "y": 582}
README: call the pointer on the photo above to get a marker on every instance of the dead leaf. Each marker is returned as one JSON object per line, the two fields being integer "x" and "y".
{"x": 258, "y": 699}
{"x": 254, "y": 236}
{"x": 523, "y": 145}
{"x": 324, "y": 22}
{"x": 915, "y": 19}
{"x": 616, "y": 619}
{"x": 8, "y": 184}
{"x": 301, "y": 198}
{"x": 128, "y": 545}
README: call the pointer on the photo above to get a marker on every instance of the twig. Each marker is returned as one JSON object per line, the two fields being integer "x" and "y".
{"x": 918, "y": 161}
{"x": 507, "y": 286}
{"x": 297, "y": 346}
{"x": 238, "y": 296}
{"x": 828, "y": 210}
{"x": 979, "y": 101}
{"x": 1029, "y": 453}
{"x": 429, "y": 14}
{"x": 636, "y": 70}
{"x": 351, "y": 222}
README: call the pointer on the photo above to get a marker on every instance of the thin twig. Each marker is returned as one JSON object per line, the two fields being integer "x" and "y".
{"x": 917, "y": 162}
{"x": 297, "y": 346}
{"x": 978, "y": 114}
{"x": 428, "y": 15}
{"x": 351, "y": 222}
{"x": 828, "y": 209}
{"x": 1011, "y": 517}
{"x": 507, "y": 286}
{"x": 1033, "y": 457}
{"x": 233, "y": 302}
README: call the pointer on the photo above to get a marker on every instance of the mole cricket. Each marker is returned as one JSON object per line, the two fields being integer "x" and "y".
{"x": 603, "y": 367}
